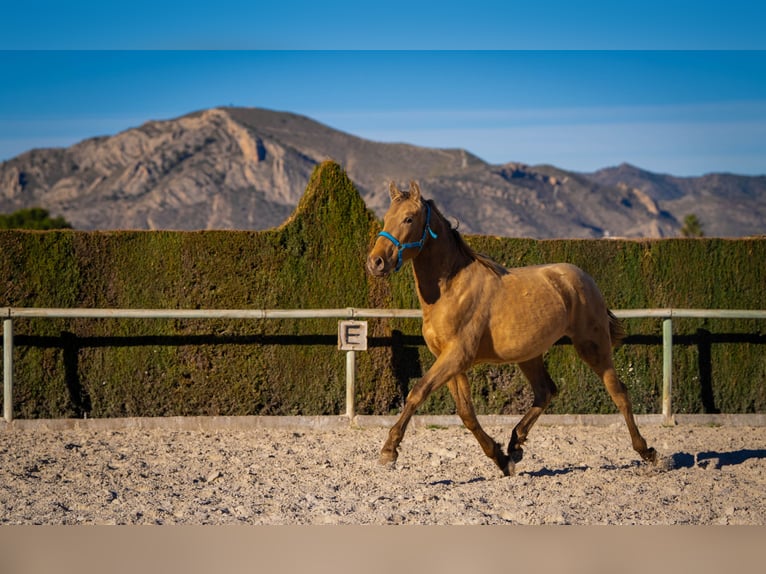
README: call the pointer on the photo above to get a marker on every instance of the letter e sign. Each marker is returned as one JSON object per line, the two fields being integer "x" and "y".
{"x": 352, "y": 335}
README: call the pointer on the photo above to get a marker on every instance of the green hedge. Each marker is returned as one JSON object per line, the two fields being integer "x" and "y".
{"x": 156, "y": 367}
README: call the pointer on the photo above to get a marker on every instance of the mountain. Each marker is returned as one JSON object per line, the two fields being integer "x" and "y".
{"x": 246, "y": 168}
{"x": 728, "y": 205}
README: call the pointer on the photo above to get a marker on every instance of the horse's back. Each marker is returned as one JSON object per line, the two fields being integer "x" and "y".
{"x": 588, "y": 316}
{"x": 553, "y": 281}
{"x": 571, "y": 283}
{"x": 537, "y": 306}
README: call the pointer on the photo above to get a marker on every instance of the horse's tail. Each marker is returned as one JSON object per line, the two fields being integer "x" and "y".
{"x": 616, "y": 330}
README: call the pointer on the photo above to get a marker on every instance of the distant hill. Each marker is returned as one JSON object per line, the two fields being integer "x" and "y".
{"x": 728, "y": 205}
{"x": 246, "y": 168}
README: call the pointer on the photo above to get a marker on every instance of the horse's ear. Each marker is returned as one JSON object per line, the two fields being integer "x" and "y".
{"x": 393, "y": 191}
{"x": 414, "y": 191}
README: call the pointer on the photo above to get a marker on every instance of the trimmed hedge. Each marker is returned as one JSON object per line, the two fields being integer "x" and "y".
{"x": 153, "y": 367}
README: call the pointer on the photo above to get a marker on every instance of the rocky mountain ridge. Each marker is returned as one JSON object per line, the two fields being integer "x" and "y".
{"x": 246, "y": 168}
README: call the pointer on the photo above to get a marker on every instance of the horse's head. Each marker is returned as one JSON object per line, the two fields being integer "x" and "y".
{"x": 406, "y": 227}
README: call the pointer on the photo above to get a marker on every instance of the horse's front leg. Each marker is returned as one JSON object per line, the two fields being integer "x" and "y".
{"x": 440, "y": 372}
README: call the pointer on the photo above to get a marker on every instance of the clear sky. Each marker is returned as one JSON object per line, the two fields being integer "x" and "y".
{"x": 673, "y": 86}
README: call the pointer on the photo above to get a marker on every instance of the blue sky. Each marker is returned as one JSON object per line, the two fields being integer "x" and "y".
{"x": 674, "y": 86}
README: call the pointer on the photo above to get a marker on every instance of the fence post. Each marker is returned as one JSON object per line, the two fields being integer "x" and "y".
{"x": 667, "y": 370}
{"x": 350, "y": 383}
{"x": 8, "y": 369}
{"x": 352, "y": 337}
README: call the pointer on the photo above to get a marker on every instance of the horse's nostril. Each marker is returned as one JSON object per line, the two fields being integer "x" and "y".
{"x": 375, "y": 264}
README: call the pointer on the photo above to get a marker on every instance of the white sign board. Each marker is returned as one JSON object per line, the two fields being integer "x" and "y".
{"x": 352, "y": 335}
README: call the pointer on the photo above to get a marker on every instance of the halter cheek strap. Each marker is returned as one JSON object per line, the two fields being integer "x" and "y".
{"x": 413, "y": 244}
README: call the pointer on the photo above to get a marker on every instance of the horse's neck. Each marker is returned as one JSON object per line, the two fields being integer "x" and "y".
{"x": 436, "y": 264}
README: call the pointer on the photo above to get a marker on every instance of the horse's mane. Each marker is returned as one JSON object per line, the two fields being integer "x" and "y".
{"x": 466, "y": 249}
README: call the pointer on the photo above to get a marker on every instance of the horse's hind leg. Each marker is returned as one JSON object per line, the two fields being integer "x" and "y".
{"x": 544, "y": 390}
{"x": 599, "y": 358}
{"x": 461, "y": 392}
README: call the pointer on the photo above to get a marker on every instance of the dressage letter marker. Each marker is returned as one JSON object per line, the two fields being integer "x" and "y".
{"x": 352, "y": 335}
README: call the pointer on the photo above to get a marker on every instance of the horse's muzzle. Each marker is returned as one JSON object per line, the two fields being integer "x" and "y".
{"x": 376, "y": 266}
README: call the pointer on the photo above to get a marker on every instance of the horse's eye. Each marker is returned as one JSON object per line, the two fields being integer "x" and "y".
{"x": 408, "y": 220}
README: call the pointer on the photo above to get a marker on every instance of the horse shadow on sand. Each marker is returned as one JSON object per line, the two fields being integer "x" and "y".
{"x": 676, "y": 461}
{"x": 545, "y": 471}
{"x": 715, "y": 459}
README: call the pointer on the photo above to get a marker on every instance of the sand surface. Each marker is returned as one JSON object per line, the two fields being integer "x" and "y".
{"x": 569, "y": 475}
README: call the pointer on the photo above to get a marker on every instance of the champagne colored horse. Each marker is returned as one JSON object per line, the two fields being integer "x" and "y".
{"x": 476, "y": 311}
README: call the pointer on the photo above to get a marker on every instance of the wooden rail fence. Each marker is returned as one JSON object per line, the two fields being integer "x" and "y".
{"x": 10, "y": 314}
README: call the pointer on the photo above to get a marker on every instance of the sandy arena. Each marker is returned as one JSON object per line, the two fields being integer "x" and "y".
{"x": 580, "y": 475}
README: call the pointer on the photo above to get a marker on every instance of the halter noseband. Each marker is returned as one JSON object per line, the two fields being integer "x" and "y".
{"x": 414, "y": 244}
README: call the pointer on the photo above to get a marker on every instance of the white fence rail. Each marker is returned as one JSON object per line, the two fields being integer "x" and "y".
{"x": 10, "y": 313}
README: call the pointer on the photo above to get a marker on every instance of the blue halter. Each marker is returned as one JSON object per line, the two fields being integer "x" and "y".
{"x": 414, "y": 244}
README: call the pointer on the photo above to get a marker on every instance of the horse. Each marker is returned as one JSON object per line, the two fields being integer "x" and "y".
{"x": 477, "y": 311}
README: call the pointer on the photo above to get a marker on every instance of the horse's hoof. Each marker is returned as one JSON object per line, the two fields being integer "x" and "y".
{"x": 387, "y": 457}
{"x": 503, "y": 462}
{"x": 509, "y": 469}
{"x": 516, "y": 455}
{"x": 650, "y": 455}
